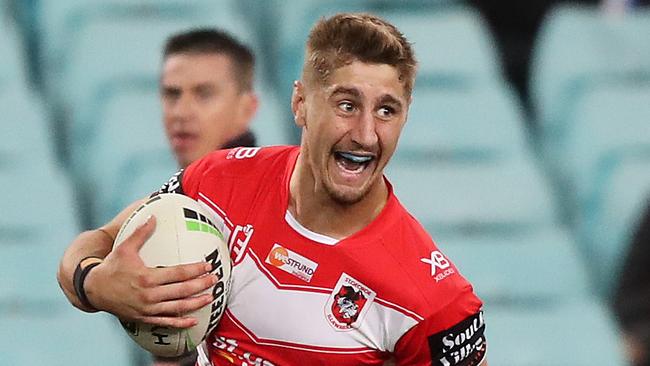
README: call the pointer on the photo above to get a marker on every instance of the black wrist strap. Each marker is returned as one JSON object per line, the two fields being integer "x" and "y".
{"x": 79, "y": 277}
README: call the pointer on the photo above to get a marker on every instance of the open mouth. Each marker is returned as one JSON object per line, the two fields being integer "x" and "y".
{"x": 353, "y": 162}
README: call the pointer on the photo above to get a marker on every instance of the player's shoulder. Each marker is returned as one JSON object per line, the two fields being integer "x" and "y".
{"x": 432, "y": 276}
{"x": 241, "y": 161}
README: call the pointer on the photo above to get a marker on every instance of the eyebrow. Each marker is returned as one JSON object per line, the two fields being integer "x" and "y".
{"x": 389, "y": 99}
{"x": 346, "y": 90}
{"x": 384, "y": 99}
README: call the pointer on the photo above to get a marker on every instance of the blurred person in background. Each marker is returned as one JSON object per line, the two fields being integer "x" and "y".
{"x": 208, "y": 102}
{"x": 632, "y": 299}
{"x": 207, "y": 95}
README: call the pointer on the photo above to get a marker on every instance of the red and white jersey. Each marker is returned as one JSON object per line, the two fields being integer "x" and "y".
{"x": 301, "y": 298}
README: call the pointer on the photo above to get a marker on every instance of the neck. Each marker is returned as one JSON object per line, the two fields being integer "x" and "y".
{"x": 313, "y": 208}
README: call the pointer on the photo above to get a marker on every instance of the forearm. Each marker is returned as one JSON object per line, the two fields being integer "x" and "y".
{"x": 97, "y": 243}
{"x": 89, "y": 243}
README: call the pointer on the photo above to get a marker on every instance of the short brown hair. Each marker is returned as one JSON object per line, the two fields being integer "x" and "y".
{"x": 344, "y": 38}
{"x": 214, "y": 41}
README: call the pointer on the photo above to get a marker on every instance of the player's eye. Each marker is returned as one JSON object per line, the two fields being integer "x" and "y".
{"x": 386, "y": 112}
{"x": 346, "y": 106}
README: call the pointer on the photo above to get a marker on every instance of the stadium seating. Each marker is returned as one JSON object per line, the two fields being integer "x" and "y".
{"x": 466, "y": 197}
{"x": 609, "y": 119}
{"x": 12, "y": 66}
{"x": 612, "y": 212}
{"x": 469, "y": 57}
{"x": 580, "y": 47}
{"x": 520, "y": 269}
{"x": 26, "y": 137}
{"x": 270, "y": 125}
{"x": 576, "y": 333}
{"x": 39, "y": 219}
{"x": 60, "y": 335}
{"x": 93, "y": 120}
{"x": 137, "y": 176}
{"x": 480, "y": 123}
{"x": 63, "y": 26}
{"x": 126, "y": 124}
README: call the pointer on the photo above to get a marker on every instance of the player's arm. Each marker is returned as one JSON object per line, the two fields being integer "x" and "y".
{"x": 92, "y": 243}
{"x": 122, "y": 285}
{"x": 453, "y": 336}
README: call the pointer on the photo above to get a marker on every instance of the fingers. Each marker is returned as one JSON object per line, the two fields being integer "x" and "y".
{"x": 137, "y": 239}
{"x": 174, "y": 322}
{"x": 177, "y": 308}
{"x": 179, "y": 273}
{"x": 179, "y": 290}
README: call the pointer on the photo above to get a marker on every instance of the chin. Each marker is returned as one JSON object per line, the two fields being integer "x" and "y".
{"x": 347, "y": 196}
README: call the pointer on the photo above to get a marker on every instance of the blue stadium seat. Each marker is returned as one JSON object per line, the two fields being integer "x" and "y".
{"x": 12, "y": 67}
{"x": 469, "y": 197}
{"x": 482, "y": 122}
{"x": 270, "y": 125}
{"x": 64, "y": 24}
{"x": 59, "y": 335}
{"x": 579, "y": 47}
{"x": 576, "y": 333}
{"x": 137, "y": 176}
{"x": 39, "y": 219}
{"x": 521, "y": 269}
{"x": 128, "y": 123}
{"x": 26, "y": 137}
{"x": 612, "y": 212}
{"x": 453, "y": 46}
{"x": 609, "y": 119}
{"x": 86, "y": 129}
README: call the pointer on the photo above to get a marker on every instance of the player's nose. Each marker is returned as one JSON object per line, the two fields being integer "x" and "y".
{"x": 364, "y": 132}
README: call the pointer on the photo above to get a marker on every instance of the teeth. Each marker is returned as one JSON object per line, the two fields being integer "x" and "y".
{"x": 359, "y": 159}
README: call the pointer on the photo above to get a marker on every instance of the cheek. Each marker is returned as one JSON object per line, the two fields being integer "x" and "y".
{"x": 389, "y": 136}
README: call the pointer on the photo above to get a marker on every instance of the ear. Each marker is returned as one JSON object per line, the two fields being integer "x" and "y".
{"x": 298, "y": 103}
{"x": 249, "y": 107}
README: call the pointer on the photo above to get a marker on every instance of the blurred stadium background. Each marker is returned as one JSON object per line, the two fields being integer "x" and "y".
{"x": 532, "y": 188}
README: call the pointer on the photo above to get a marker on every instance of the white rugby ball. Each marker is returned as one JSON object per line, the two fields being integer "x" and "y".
{"x": 184, "y": 233}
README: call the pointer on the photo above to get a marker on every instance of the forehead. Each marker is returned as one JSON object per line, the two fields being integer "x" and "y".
{"x": 369, "y": 79}
{"x": 196, "y": 67}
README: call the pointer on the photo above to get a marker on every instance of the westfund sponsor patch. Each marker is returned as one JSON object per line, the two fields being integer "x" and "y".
{"x": 461, "y": 345}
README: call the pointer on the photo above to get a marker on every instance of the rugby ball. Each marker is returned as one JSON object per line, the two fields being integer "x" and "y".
{"x": 184, "y": 233}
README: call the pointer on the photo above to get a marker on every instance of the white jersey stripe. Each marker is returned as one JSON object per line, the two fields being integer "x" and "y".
{"x": 296, "y": 316}
{"x": 308, "y": 348}
{"x": 268, "y": 274}
{"x": 394, "y": 306}
{"x": 215, "y": 207}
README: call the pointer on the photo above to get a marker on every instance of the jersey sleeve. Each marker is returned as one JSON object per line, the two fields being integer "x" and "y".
{"x": 173, "y": 185}
{"x": 452, "y": 336}
{"x": 186, "y": 181}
